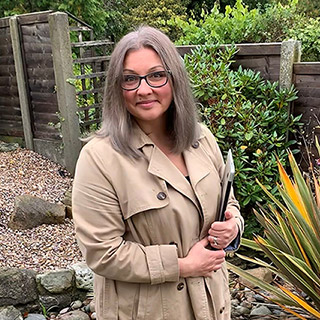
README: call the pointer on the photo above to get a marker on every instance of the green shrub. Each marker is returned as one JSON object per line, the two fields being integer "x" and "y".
{"x": 308, "y": 34}
{"x": 276, "y": 23}
{"x": 104, "y": 16}
{"x": 310, "y": 8}
{"x": 248, "y": 115}
{"x": 237, "y": 24}
{"x": 156, "y": 13}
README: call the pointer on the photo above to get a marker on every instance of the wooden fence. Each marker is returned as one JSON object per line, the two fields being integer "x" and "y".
{"x": 10, "y": 119}
{"x": 260, "y": 57}
{"x": 306, "y": 78}
{"x": 37, "y": 103}
{"x": 33, "y": 31}
{"x": 37, "y": 80}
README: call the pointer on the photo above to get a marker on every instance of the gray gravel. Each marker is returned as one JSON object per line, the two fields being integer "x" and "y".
{"x": 42, "y": 248}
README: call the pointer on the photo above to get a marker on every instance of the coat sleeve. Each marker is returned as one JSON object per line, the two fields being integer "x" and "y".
{"x": 216, "y": 157}
{"x": 100, "y": 227}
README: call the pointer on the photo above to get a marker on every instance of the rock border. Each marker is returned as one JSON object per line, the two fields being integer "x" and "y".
{"x": 28, "y": 291}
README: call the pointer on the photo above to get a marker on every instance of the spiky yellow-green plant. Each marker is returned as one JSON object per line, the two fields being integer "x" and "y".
{"x": 291, "y": 242}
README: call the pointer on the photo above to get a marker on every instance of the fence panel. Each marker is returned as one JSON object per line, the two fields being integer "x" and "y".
{"x": 37, "y": 53}
{"x": 306, "y": 78}
{"x": 260, "y": 57}
{"x": 10, "y": 114}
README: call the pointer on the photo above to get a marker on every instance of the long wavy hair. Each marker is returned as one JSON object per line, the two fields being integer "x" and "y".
{"x": 181, "y": 115}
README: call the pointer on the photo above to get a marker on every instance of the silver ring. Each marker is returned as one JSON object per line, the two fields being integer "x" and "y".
{"x": 215, "y": 241}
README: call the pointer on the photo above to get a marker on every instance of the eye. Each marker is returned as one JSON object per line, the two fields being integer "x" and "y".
{"x": 158, "y": 75}
{"x": 129, "y": 78}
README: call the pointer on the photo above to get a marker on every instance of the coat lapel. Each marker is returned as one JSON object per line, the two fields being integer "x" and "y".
{"x": 162, "y": 167}
{"x": 196, "y": 159}
{"x": 197, "y": 164}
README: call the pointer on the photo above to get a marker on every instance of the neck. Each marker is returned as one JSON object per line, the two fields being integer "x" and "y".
{"x": 157, "y": 132}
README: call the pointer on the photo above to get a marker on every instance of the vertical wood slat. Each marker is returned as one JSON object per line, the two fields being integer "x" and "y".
{"x": 21, "y": 82}
{"x": 9, "y": 96}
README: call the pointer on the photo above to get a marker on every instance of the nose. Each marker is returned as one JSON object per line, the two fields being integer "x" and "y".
{"x": 144, "y": 88}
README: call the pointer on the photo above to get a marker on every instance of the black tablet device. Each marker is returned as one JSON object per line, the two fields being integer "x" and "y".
{"x": 226, "y": 184}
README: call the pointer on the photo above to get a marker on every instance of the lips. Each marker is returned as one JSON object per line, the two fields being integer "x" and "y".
{"x": 146, "y": 103}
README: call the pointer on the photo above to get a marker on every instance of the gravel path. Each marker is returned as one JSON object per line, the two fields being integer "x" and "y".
{"x": 46, "y": 247}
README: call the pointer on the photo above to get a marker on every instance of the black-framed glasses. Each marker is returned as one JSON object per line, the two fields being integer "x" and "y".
{"x": 154, "y": 79}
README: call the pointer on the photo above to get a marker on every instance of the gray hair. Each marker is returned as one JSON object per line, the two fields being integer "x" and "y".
{"x": 181, "y": 115}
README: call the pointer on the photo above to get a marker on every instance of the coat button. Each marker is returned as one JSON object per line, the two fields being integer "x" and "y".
{"x": 222, "y": 309}
{"x": 180, "y": 286}
{"x": 161, "y": 195}
{"x": 196, "y": 145}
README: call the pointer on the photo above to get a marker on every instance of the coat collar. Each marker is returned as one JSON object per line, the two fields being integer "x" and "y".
{"x": 160, "y": 166}
{"x": 140, "y": 139}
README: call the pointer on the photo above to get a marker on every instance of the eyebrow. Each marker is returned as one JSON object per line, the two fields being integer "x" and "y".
{"x": 150, "y": 70}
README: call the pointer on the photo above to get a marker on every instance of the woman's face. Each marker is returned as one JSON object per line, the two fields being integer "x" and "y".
{"x": 146, "y": 104}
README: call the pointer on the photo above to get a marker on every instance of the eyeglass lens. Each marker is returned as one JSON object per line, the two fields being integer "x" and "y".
{"x": 154, "y": 79}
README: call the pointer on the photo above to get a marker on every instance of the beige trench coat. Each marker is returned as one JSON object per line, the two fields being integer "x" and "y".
{"x": 134, "y": 218}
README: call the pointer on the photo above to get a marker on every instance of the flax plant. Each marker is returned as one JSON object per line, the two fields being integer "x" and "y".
{"x": 291, "y": 242}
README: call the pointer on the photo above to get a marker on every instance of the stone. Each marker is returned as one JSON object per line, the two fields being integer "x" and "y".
{"x": 74, "y": 315}
{"x": 76, "y": 304}
{"x": 31, "y": 211}
{"x": 234, "y": 302}
{"x": 84, "y": 276}
{"x": 261, "y": 273}
{"x": 17, "y": 286}
{"x": 246, "y": 304}
{"x": 64, "y": 310}
{"x": 276, "y": 313}
{"x": 260, "y": 311}
{"x": 6, "y": 147}
{"x": 92, "y": 306}
{"x": 35, "y": 316}
{"x": 258, "y": 298}
{"x": 57, "y": 281}
{"x": 10, "y": 312}
{"x": 93, "y": 316}
{"x": 56, "y": 301}
{"x": 67, "y": 201}
{"x": 242, "y": 310}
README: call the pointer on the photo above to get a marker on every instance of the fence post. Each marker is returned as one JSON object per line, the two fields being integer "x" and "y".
{"x": 21, "y": 82}
{"x": 290, "y": 53}
{"x": 66, "y": 95}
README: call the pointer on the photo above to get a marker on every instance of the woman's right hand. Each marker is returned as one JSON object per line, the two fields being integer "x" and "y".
{"x": 200, "y": 262}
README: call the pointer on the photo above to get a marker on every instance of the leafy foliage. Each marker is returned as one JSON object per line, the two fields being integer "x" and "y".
{"x": 239, "y": 24}
{"x": 275, "y": 23}
{"x": 310, "y": 8}
{"x": 245, "y": 113}
{"x": 104, "y": 16}
{"x": 156, "y": 13}
{"x": 308, "y": 34}
{"x": 292, "y": 241}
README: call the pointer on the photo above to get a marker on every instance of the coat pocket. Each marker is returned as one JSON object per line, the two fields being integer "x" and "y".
{"x": 144, "y": 197}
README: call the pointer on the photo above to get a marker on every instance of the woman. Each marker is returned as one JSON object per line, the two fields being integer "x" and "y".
{"x": 146, "y": 193}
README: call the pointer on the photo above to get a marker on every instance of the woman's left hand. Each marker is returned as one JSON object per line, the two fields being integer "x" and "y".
{"x": 222, "y": 233}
